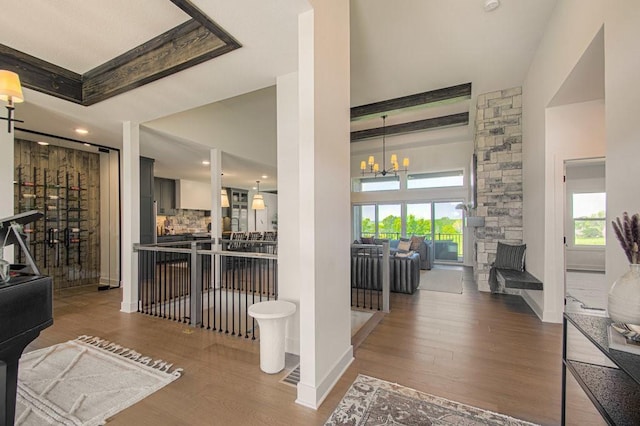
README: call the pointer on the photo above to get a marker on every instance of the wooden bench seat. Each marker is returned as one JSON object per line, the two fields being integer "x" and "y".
{"x": 518, "y": 279}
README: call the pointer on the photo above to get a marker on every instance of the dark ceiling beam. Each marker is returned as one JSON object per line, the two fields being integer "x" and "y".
{"x": 177, "y": 49}
{"x": 41, "y": 75}
{"x": 204, "y": 20}
{"x": 193, "y": 42}
{"x": 460, "y": 119}
{"x": 453, "y": 93}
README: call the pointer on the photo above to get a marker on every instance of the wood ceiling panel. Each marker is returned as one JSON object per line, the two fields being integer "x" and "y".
{"x": 193, "y": 42}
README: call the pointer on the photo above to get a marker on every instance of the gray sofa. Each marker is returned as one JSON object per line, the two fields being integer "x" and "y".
{"x": 424, "y": 251}
{"x": 366, "y": 270}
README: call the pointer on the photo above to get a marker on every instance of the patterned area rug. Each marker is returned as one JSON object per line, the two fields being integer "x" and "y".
{"x": 371, "y": 401}
{"x": 85, "y": 381}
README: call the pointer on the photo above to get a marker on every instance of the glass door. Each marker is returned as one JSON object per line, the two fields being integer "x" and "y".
{"x": 447, "y": 232}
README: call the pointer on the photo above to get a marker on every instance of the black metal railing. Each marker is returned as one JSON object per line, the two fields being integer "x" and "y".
{"x": 190, "y": 283}
{"x": 370, "y": 276}
{"x": 455, "y": 239}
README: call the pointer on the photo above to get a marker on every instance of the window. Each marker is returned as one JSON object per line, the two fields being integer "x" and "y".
{"x": 436, "y": 180}
{"x": 419, "y": 219}
{"x": 589, "y": 223}
{"x": 387, "y": 183}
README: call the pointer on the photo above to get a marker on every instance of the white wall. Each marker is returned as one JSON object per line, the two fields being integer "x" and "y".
{"x": 289, "y": 241}
{"x": 622, "y": 65}
{"x": 573, "y": 26}
{"x": 231, "y": 125}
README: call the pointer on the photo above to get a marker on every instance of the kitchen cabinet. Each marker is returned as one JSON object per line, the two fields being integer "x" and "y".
{"x": 193, "y": 195}
{"x": 239, "y": 208}
{"x": 147, "y": 218}
{"x": 165, "y": 195}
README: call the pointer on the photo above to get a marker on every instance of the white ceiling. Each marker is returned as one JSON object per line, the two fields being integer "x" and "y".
{"x": 397, "y": 48}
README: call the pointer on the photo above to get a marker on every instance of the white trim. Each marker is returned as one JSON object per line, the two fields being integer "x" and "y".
{"x": 129, "y": 307}
{"x": 313, "y": 397}
{"x": 537, "y": 309}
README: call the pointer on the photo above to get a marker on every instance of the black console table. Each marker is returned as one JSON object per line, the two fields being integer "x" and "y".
{"x": 614, "y": 391}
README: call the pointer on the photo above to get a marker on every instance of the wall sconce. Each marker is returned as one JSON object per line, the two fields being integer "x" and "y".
{"x": 10, "y": 92}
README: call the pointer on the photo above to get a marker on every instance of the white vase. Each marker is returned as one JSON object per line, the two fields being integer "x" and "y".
{"x": 624, "y": 297}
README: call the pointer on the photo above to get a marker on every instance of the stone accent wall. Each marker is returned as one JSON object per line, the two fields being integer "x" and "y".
{"x": 498, "y": 148}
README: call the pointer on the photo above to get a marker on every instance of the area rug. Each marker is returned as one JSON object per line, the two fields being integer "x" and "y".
{"x": 371, "y": 401}
{"x": 443, "y": 280}
{"x": 85, "y": 381}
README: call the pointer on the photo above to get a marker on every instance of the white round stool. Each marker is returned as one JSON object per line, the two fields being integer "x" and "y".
{"x": 272, "y": 317}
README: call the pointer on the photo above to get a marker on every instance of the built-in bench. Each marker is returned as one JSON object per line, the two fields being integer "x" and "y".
{"x": 508, "y": 278}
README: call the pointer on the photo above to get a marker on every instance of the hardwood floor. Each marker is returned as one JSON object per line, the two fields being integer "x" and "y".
{"x": 490, "y": 351}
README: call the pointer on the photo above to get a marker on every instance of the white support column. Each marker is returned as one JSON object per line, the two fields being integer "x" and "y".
{"x": 215, "y": 158}
{"x": 216, "y": 187}
{"x": 7, "y": 174}
{"x": 324, "y": 198}
{"x": 289, "y": 204}
{"x": 130, "y": 214}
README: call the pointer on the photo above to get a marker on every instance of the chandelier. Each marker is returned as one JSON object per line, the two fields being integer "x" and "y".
{"x": 371, "y": 167}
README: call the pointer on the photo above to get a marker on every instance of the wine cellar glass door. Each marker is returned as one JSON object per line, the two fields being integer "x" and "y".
{"x": 65, "y": 185}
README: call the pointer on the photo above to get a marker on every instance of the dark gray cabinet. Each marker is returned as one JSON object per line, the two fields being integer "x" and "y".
{"x": 147, "y": 218}
{"x": 165, "y": 193}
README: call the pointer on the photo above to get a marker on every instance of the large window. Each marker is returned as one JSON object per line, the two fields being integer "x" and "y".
{"x": 438, "y": 222}
{"x": 388, "y": 183}
{"x": 419, "y": 219}
{"x": 381, "y": 221}
{"x": 435, "y": 180}
{"x": 589, "y": 224}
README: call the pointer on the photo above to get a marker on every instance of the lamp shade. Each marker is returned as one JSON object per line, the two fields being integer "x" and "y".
{"x": 258, "y": 202}
{"x": 10, "y": 87}
{"x": 224, "y": 198}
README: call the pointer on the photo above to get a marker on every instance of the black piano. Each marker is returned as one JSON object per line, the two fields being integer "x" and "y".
{"x": 26, "y": 308}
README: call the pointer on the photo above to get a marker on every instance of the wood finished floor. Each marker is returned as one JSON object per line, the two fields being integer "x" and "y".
{"x": 490, "y": 351}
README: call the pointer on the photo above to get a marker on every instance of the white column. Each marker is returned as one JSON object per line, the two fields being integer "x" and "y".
{"x": 7, "y": 174}
{"x": 324, "y": 198}
{"x": 130, "y": 214}
{"x": 289, "y": 203}
{"x": 216, "y": 187}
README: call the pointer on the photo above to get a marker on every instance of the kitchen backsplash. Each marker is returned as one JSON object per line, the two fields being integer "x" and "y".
{"x": 184, "y": 222}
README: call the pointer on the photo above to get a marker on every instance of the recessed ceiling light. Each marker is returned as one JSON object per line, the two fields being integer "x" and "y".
{"x": 264, "y": 176}
{"x": 82, "y": 131}
{"x": 490, "y": 5}
{"x": 87, "y": 144}
{"x": 254, "y": 187}
{"x": 43, "y": 143}
{"x": 205, "y": 162}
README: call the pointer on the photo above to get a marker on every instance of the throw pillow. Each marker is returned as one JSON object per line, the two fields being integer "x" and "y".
{"x": 366, "y": 240}
{"x": 404, "y": 254}
{"x": 416, "y": 242}
{"x": 510, "y": 256}
{"x": 404, "y": 245}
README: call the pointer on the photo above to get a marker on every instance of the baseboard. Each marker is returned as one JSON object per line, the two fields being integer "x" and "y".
{"x": 129, "y": 307}
{"x": 312, "y": 397}
{"x": 537, "y": 309}
{"x": 111, "y": 282}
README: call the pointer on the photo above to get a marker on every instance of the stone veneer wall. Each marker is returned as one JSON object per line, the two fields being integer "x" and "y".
{"x": 498, "y": 148}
